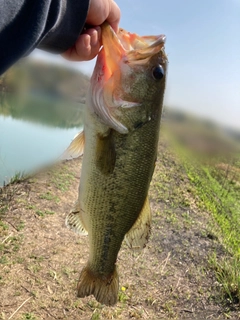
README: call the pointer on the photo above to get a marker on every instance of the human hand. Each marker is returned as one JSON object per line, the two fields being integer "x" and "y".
{"x": 88, "y": 44}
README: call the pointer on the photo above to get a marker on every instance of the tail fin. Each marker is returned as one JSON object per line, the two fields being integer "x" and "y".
{"x": 104, "y": 288}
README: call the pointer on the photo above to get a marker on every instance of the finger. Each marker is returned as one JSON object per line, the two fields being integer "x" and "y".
{"x": 114, "y": 15}
{"x": 86, "y": 47}
{"x": 80, "y": 50}
{"x": 95, "y": 43}
{"x": 95, "y": 35}
{"x": 98, "y": 12}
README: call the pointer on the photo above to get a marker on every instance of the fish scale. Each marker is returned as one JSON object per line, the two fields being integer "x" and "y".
{"x": 128, "y": 186}
{"x": 121, "y": 132}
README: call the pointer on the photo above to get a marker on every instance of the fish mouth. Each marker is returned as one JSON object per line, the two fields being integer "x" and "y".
{"x": 129, "y": 47}
{"x": 116, "y": 61}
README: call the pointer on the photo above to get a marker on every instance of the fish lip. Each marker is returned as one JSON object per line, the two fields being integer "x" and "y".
{"x": 160, "y": 40}
{"x": 142, "y": 56}
{"x": 130, "y": 47}
{"x": 152, "y": 41}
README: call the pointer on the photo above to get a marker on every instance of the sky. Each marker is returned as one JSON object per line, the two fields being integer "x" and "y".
{"x": 203, "y": 48}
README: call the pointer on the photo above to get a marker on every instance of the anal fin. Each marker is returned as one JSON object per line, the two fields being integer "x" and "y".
{"x": 137, "y": 237}
{"x": 74, "y": 220}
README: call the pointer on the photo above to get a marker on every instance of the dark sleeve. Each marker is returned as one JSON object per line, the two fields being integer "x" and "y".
{"x": 51, "y": 25}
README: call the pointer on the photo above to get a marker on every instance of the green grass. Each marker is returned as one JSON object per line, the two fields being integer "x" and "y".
{"x": 19, "y": 176}
{"x": 122, "y": 296}
{"x": 20, "y": 226}
{"x": 3, "y": 260}
{"x": 3, "y": 226}
{"x": 219, "y": 196}
{"x": 29, "y": 316}
{"x": 48, "y": 196}
{"x": 63, "y": 179}
{"x": 224, "y": 207}
{"x": 12, "y": 244}
{"x": 228, "y": 275}
{"x": 43, "y": 213}
{"x": 96, "y": 315}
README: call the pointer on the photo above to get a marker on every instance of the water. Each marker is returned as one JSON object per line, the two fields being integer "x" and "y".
{"x": 34, "y": 131}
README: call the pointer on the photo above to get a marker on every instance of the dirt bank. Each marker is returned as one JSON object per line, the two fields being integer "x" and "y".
{"x": 40, "y": 259}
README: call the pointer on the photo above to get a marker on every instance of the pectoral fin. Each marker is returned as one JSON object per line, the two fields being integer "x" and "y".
{"x": 137, "y": 237}
{"x": 74, "y": 220}
{"x": 105, "y": 152}
{"x": 76, "y": 147}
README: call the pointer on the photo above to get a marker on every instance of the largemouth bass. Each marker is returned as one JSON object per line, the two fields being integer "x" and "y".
{"x": 120, "y": 139}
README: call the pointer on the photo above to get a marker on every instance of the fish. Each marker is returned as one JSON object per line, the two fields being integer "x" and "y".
{"x": 119, "y": 146}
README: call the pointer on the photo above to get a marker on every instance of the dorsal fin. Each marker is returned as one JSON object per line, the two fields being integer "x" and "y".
{"x": 75, "y": 148}
{"x": 137, "y": 237}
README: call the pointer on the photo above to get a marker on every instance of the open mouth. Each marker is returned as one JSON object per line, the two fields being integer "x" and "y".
{"x": 129, "y": 46}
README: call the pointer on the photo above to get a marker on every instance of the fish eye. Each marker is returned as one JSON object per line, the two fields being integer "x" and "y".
{"x": 158, "y": 72}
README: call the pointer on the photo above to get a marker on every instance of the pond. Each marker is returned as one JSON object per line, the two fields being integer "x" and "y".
{"x": 34, "y": 132}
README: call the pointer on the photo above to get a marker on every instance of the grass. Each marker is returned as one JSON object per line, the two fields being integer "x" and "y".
{"x": 10, "y": 245}
{"x": 96, "y": 315}
{"x": 3, "y": 226}
{"x": 18, "y": 176}
{"x": 218, "y": 193}
{"x": 48, "y": 196}
{"x": 43, "y": 213}
{"x": 63, "y": 179}
{"x": 122, "y": 296}
{"x": 228, "y": 275}
{"x": 20, "y": 226}
{"x": 224, "y": 206}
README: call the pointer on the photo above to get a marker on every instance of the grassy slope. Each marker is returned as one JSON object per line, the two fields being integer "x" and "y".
{"x": 216, "y": 189}
{"x": 173, "y": 278}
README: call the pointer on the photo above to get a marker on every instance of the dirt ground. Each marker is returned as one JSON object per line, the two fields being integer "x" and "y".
{"x": 40, "y": 259}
